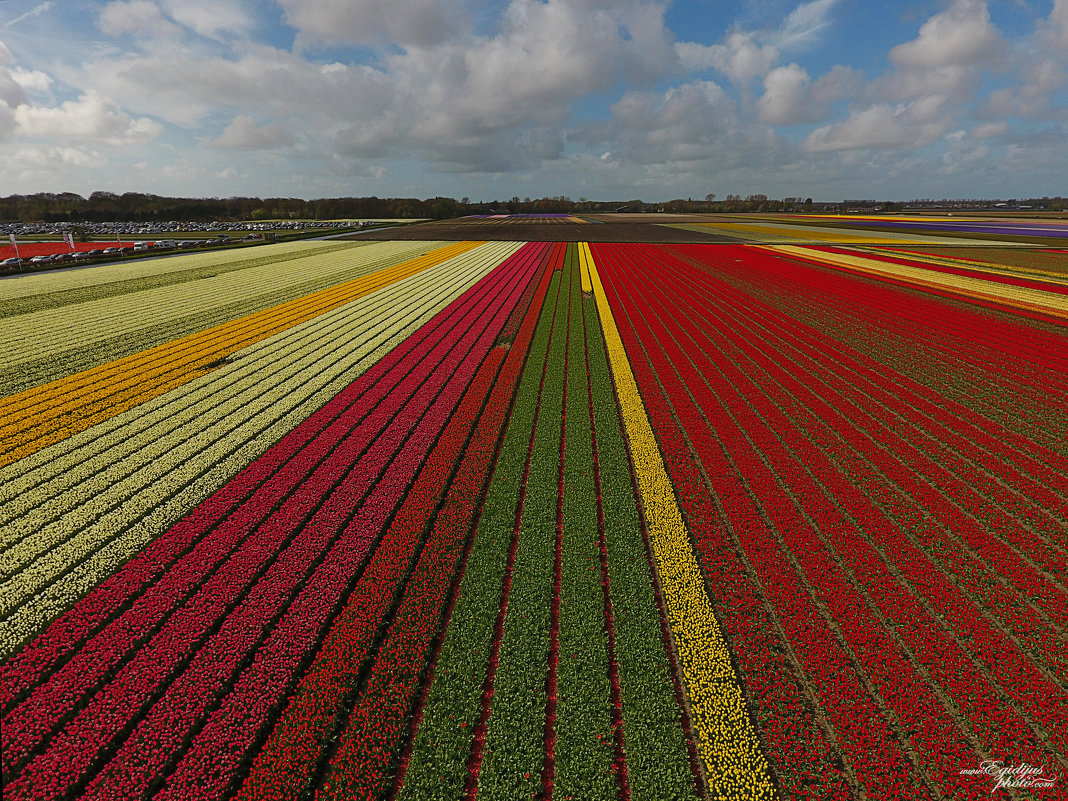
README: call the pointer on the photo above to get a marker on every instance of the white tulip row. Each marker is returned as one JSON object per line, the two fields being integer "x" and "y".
{"x": 62, "y": 280}
{"x": 50, "y": 332}
{"x": 17, "y": 408}
{"x": 54, "y": 472}
{"x": 154, "y": 465}
{"x": 69, "y": 464}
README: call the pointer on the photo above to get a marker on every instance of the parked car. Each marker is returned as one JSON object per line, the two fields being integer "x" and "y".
{"x": 10, "y": 264}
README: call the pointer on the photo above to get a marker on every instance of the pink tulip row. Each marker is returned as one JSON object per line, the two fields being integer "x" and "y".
{"x": 286, "y": 558}
{"x": 378, "y": 724}
{"x": 311, "y": 717}
{"x": 217, "y": 751}
{"x": 185, "y": 557}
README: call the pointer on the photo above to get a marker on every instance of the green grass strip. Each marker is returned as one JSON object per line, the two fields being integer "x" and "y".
{"x": 438, "y": 765}
{"x": 584, "y": 749}
{"x": 658, "y": 766}
{"x": 514, "y": 751}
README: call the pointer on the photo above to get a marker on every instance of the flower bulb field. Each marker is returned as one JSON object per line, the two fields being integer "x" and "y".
{"x": 720, "y": 509}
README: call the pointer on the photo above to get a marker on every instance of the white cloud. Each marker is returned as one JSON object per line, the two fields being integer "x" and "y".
{"x": 12, "y": 91}
{"x": 1054, "y": 34}
{"x": 802, "y": 26}
{"x": 681, "y": 129}
{"x": 34, "y": 161}
{"x": 745, "y": 56}
{"x": 211, "y": 18}
{"x": 960, "y": 36}
{"x": 1032, "y": 98}
{"x": 784, "y": 99}
{"x": 791, "y": 97}
{"x": 91, "y": 117}
{"x": 741, "y": 57}
{"x": 142, "y": 18}
{"x": 412, "y": 22}
{"x": 989, "y": 130}
{"x": 32, "y": 80}
{"x": 243, "y": 133}
{"x": 964, "y": 154}
{"x": 885, "y": 126}
{"x": 36, "y": 11}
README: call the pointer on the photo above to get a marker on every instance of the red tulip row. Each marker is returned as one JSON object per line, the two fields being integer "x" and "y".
{"x": 1004, "y": 332}
{"x": 865, "y": 736}
{"x": 803, "y": 752}
{"x": 288, "y": 761}
{"x": 453, "y": 713}
{"x": 820, "y": 509}
{"x": 1014, "y": 671}
{"x": 930, "y": 431}
{"x": 1028, "y": 360}
{"x": 916, "y": 473}
{"x": 1028, "y": 363}
{"x": 302, "y": 555}
{"x": 836, "y": 412}
{"x": 742, "y": 344}
{"x": 873, "y": 393}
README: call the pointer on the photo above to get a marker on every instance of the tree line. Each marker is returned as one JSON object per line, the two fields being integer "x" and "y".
{"x": 139, "y": 207}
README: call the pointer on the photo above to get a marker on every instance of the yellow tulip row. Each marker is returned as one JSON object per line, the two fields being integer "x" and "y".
{"x": 727, "y": 742}
{"x": 41, "y": 416}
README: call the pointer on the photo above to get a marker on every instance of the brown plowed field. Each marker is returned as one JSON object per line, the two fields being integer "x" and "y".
{"x": 614, "y": 228}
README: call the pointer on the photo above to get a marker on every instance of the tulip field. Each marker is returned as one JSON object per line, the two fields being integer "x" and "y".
{"x": 557, "y": 520}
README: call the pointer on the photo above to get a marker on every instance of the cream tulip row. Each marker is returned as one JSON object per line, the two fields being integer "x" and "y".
{"x": 71, "y": 460}
{"x": 51, "y": 332}
{"x": 131, "y": 499}
{"x": 291, "y": 356}
{"x": 735, "y": 767}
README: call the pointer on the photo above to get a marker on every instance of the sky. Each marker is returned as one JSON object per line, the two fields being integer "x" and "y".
{"x": 489, "y": 99}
